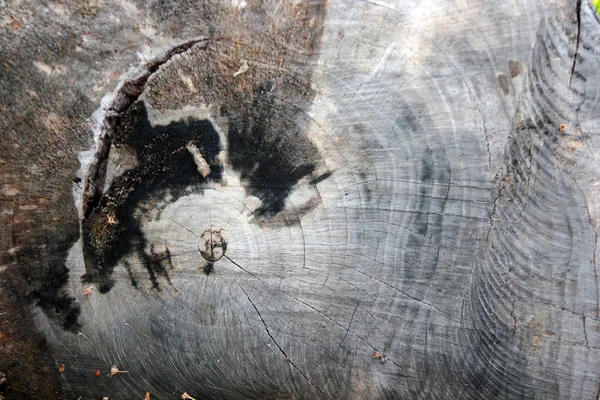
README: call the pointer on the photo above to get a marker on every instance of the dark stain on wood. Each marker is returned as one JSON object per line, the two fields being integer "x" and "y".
{"x": 503, "y": 83}
{"x": 43, "y": 160}
{"x": 112, "y": 231}
{"x": 208, "y": 267}
{"x": 269, "y": 149}
{"x": 271, "y": 153}
{"x": 514, "y": 68}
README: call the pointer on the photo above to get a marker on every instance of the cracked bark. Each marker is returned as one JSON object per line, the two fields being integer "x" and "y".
{"x": 125, "y": 95}
{"x": 577, "y": 41}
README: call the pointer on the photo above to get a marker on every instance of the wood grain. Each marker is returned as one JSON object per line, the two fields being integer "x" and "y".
{"x": 345, "y": 200}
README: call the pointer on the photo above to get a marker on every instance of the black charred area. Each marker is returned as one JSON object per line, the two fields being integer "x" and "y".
{"x": 45, "y": 123}
{"x": 27, "y": 368}
{"x": 25, "y": 358}
{"x": 268, "y": 146}
{"x": 157, "y": 264}
{"x": 164, "y": 164}
{"x": 208, "y": 267}
{"x": 42, "y": 259}
{"x": 127, "y": 95}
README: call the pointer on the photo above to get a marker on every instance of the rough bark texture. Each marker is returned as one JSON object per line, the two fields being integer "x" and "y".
{"x": 299, "y": 199}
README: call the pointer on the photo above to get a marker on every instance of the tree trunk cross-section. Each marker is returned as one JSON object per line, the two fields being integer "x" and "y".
{"x": 300, "y": 199}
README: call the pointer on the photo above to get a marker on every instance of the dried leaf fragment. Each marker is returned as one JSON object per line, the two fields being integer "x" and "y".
{"x": 62, "y": 368}
{"x": 16, "y": 25}
{"x": 380, "y": 356}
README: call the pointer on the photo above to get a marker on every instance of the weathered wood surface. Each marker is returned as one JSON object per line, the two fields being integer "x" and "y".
{"x": 303, "y": 186}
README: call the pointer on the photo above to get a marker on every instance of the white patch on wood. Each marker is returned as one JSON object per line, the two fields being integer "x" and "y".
{"x": 166, "y": 117}
{"x": 383, "y": 61}
{"x": 243, "y": 68}
{"x": 187, "y": 81}
{"x": 9, "y": 191}
{"x": 42, "y": 67}
{"x": 239, "y": 4}
{"x": 49, "y": 69}
{"x": 252, "y": 203}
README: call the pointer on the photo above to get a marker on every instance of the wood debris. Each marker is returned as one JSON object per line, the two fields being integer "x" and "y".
{"x": 88, "y": 293}
{"x": 15, "y": 24}
{"x": 243, "y": 68}
{"x": 380, "y": 356}
{"x": 115, "y": 370}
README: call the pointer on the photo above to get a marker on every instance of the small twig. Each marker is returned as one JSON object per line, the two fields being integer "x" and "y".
{"x": 88, "y": 293}
{"x": 114, "y": 370}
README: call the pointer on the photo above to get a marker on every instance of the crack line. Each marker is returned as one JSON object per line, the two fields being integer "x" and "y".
{"x": 277, "y": 344}
{"x": 311, "y": 307}
{"x": 350, "y": 324}
{"x": 585, "y": 332}
{"x": 593, "y": 226}
{"x": 578, "y": 11}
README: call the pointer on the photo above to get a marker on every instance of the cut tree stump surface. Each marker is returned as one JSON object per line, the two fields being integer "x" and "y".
{"x": 299, "y": 199}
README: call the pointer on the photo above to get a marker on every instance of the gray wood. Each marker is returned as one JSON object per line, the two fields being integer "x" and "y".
{"x": 303, "y": 199}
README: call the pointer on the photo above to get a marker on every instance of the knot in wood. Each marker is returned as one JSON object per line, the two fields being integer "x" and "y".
{"x": 213, "y": 245}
